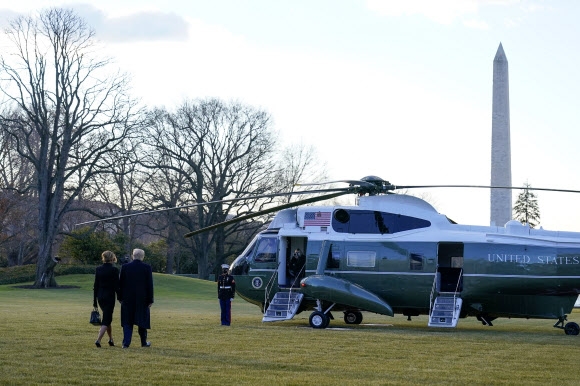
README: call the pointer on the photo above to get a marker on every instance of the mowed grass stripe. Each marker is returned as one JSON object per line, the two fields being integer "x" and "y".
{"x": 45, "y": 338}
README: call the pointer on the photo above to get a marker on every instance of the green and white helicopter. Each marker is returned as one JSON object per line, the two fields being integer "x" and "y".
{"x": 395, "y": 254}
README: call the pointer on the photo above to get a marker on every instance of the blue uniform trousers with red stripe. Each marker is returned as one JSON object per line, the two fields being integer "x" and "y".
{"x": 226, "y": 306}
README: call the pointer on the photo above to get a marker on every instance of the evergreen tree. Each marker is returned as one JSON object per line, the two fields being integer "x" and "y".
{"x": 526, "y": 209}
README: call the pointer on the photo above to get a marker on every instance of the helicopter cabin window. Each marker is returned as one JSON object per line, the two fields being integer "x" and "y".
{"x": 266, "y": 252}
{"x": 416, "y": 262}
{"x": 333, "y": 260}
{"x": 374, "y": 222}
{"x": 457, "y": 261}
{"x": 364, "y": 259}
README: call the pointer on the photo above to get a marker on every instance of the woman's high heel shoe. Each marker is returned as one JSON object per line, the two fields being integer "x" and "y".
{"x": 111, "y": 343}
{"x": 97, "y": 343}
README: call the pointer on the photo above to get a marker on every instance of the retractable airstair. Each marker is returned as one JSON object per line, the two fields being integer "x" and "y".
{"x": 283, "y": 306}
{"x": 446, "y": 297}
{"x": 445, "y": 311}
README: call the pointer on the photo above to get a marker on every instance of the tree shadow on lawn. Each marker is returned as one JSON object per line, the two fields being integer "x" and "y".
{"x": 47, "y": 288}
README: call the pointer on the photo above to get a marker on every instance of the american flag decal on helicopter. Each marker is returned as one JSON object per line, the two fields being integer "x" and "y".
{"x": 316, "y": 219}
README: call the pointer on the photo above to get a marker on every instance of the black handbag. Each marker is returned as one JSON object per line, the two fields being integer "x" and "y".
{"x": 95, "y": 317}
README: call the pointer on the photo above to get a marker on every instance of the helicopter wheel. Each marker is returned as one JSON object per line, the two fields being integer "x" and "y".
{"x": 571, "y": 328}
{"x": 353, "y": 317}
{"x": 319, "y": 320}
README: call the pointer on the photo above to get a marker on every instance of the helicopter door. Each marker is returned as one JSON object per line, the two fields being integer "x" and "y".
{"x": 450, "y": 267}
{"x": 290, "y": 273}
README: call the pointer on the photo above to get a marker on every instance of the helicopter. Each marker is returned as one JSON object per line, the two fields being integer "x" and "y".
{"x": 395, "y": 254}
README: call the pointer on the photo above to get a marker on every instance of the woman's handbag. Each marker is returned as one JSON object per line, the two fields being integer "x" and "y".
{"x": 95, "y": 317}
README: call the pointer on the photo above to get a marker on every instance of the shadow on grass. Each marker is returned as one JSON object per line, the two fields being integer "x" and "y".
{"x": 49, "y": 288}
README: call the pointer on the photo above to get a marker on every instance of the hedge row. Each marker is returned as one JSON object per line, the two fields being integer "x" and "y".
{"x": 26, "y": 273}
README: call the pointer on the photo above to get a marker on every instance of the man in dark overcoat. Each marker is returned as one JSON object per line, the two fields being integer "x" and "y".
{"x": 136, "y": 297}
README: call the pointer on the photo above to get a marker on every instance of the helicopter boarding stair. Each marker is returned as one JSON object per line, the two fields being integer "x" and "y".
{"x": 283, "y": 305}
{"x": 446, "y": 308}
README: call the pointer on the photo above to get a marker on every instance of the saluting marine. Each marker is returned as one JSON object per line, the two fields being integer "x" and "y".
{"x": 226, "y": 293}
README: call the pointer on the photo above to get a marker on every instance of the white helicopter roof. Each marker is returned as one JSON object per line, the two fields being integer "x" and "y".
{"x": 393, "y": 203}
{"x": 415, "y": 207}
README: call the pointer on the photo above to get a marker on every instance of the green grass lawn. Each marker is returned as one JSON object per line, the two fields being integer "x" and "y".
{"x": 45, "y": 338}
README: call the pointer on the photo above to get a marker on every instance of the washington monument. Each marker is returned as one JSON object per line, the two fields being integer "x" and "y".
{"x": 501, "y": 168}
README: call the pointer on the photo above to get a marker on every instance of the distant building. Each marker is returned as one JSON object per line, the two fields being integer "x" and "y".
{"x": 501, "y": 169}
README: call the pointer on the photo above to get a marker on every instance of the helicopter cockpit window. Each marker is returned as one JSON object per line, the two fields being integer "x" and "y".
{"x": 416, "y": 262}
{"x": 247, "y": 253}
{"x": 240, "y": 265}
{"x": 266, "y": 251}
{"x": 374, "y": 222}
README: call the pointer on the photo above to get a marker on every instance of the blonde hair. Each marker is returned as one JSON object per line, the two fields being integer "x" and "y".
{"x": 108, "y": 257}
{"x": 138, "y": 254}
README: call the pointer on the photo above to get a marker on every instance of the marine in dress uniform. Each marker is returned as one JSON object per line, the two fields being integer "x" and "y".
{"x": 226, "y": 293}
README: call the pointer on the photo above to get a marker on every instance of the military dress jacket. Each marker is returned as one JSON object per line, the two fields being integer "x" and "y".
{"x": 226, "y": 286}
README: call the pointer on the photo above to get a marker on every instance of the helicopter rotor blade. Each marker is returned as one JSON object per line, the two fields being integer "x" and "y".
{"x": 345, "y": 190}
{"x": 371, "y": 185}
{"x": 350, "y": 182}
{"x": 397, "y": 187}
{"x": 270, "y": 210}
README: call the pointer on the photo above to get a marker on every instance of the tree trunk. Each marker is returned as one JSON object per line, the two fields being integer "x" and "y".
{"x": 46, "y": 235}
{"x": 203, "y": 258}
{"x": 47, "y": 279}
{"x": 219, "y": 247}
{"x": 171, "y": 243}
{"x": 45, "y": 270}
{"x": 170, "y": 256}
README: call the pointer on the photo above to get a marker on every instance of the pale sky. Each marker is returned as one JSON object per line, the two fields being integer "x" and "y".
{"x": 397, "y": 89}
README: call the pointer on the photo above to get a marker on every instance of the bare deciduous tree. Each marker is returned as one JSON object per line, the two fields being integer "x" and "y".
{"x": 221, "y": 150}
{"x": 299, "y": 164}
{"x": 17, "y": 206}
{"x": 123, "y": 187}
{"x": 71, "y": 110}
{"x": 169, "y": 177}
{"x": 16, "y": 173}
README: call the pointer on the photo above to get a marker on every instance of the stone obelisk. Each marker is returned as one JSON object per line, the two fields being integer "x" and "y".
{"x": 501, "y": 169}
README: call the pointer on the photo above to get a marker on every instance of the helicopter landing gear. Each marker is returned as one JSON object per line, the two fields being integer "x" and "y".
{"x": 353, "y": 317}
{"x": 571, "y": 328}
{"x": 485, "y": 320}
{"x": 319, "y": 319}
